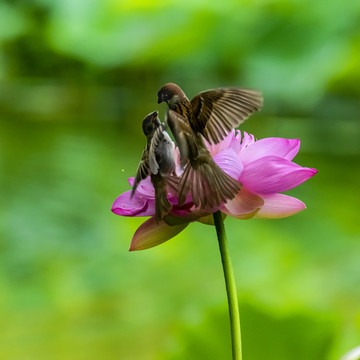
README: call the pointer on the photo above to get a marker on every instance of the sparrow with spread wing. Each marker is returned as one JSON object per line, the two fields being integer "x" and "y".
{"x": 157, "y": 161}
{"x": 211, "y": 115}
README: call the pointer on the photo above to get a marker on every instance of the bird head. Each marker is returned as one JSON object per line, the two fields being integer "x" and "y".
{"x": 170, "y": 93}
{"x": 151, "y": 123}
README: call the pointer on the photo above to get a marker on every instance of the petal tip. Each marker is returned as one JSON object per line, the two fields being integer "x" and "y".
{"x": 278, "y": 206}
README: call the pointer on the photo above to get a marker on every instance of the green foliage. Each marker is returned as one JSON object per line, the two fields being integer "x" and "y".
{"x": 294, "y": 336}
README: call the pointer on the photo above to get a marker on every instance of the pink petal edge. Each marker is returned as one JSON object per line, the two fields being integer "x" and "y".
{"x": 244, "y": 202}
{"x": 229, "y": 162}
{"x": 277, "y": 206}
{"x": 138, "y": 205}
{"x": 280, "y": 147}
{"x": 272, "y": 174}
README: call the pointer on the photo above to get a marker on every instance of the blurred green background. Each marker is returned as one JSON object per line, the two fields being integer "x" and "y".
{"x": 76, "y": 79}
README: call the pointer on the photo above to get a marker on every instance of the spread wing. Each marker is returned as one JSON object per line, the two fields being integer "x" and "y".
{"x": 143, "y": 170}
{"x": 216, "y": 112}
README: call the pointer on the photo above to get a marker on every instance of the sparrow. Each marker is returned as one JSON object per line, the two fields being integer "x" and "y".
{"x": 157, "y": 161}
{"x": 211, "y": 114}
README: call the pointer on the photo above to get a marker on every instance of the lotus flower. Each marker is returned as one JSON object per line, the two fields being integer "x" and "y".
{"x": 264, "y": 167}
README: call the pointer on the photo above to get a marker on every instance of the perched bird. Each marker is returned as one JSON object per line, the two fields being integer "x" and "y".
{"x": 211, "y": 115}
{"x": 157, "y": 161}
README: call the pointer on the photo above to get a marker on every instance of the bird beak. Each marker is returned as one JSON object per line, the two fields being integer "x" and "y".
{"x": 154, "y": 114}
{"x": 155, "y": 117}
{"x": 160, "y": 98}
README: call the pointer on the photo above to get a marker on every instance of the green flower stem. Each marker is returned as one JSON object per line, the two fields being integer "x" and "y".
{"x": 230, "y": 287}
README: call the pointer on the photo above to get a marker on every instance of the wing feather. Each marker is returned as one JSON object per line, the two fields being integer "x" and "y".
{"x": 217, "y": 112}
{"x": 155, "y": 142}
{"x": 143, "y": 170}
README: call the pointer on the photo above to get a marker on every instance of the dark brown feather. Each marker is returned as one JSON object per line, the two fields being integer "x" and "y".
{"x": 183, "y": 134}
{"x": 163, "y": 206}
{"x": 143, "y": 170}
{"x": 209, "y": 185}
{"x": 217, "y": 112}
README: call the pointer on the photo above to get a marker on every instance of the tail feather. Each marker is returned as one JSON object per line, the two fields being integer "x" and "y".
{"x": 162, "y": 204}
{"x": 201, "y": 187}
{"x": 184, "y": 184}
{"x": 208, "y": 184}
{"x": 173, "y": 183}
{"x": 225, "y": 187}
{"x": 205, "y": 198}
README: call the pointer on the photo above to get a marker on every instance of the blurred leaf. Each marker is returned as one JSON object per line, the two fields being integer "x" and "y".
{"x": 12, "y": 22}
{"x": 265, "y": 336}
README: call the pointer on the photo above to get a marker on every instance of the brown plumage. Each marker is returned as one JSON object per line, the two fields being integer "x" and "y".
{"x": 157, "y": 161}
{"x": 211, "y": 114}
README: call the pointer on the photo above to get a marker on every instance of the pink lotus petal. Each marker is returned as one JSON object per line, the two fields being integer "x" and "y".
{"x": 222, "y": 145}
{"x": 278, "y": 206}
{"x": 272, "y": 174}
{"x": 244, "y": 202}
{"x": 283, "y": 148}
{"x": 139, "y": 205}
{"x": 247, "y": 139}
{"x": 145, "y": 187}
{"x": 229, "y": 162}
{"x": 150, "y": 234}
